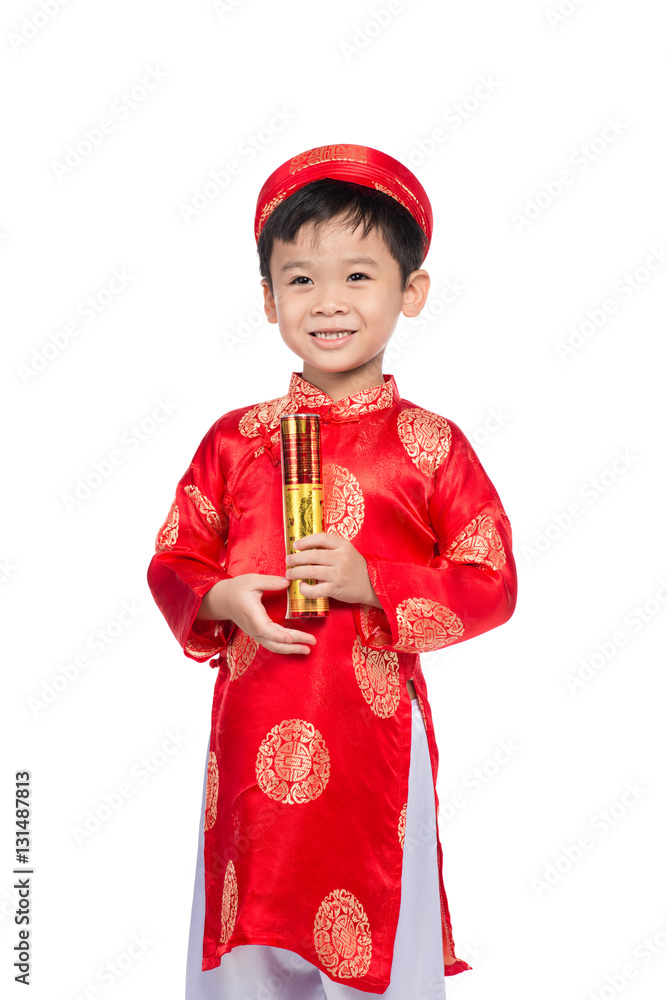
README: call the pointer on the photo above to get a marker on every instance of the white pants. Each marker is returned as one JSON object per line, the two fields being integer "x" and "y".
{"x": 263, "y": 972}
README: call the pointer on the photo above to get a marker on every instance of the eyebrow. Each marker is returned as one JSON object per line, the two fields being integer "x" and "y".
{"x": 368, "y": 261}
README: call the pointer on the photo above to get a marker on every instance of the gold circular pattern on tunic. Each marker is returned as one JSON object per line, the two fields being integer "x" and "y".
{"x": 342, "y": 935}
{"x": 401, "y": 825}
{"x": 240, "y": 653}
{"x": 212, "y": 784}
{"x": 376, "y": 671}
{"x": 293, "y": 762}
{"x": 426, "y": 436}
{"x": 168, "y": 533}
{"x": 426, "y": 625}
{"x": 343, "y": 501}
{"x": 230, "y": 902}
{"x": 479, "y": 542}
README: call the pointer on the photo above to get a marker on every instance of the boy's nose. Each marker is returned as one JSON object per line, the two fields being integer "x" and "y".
{"x": 330, "y": 302}
{"x": 331, "y": 298}
{"x": 330, "y": 308}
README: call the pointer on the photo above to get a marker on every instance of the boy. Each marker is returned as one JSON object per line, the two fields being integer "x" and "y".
{"x": 320, "y": 864}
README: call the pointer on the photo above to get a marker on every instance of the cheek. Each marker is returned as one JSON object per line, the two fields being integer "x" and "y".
{"x": 381, "y": 317}
{"x": 287, "y": 311}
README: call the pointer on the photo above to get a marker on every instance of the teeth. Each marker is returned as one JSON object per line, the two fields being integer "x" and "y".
{"x": 333, "y": 336}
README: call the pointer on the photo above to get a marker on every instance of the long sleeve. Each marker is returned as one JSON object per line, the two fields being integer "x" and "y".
{"x": 190, "y": 552}
{"x": 468, "y": 587}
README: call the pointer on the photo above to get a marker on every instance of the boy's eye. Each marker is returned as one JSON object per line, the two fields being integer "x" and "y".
{"x": 302, "y": 278}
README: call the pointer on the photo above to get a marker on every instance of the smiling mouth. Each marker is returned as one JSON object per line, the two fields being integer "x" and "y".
{"x": 331, "y": 334}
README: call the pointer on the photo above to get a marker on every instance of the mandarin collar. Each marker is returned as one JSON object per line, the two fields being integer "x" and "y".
{"x": 305, "y": 394}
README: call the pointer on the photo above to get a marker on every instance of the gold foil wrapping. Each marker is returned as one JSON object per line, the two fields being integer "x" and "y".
{"x": 303, "y": 500}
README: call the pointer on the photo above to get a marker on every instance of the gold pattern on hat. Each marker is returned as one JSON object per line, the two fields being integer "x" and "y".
{"x": 323, "y": 154}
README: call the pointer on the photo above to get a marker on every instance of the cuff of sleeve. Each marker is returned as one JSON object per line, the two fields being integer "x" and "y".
{"x": 207, "y": 638}
{"x": 374, "y": 625}
{"x": 407, "y": 624}
{"x": 179, "y": 601}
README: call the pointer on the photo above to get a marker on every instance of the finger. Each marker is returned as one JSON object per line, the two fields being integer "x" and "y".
{"x": 285, "y": 640}
{"x": 282, "y": 647}
{"x": 326, "y": 539}
{"x": 277, "y": 633}
{"x": 321, "y": 564}
{"x": 304, "y": 574}
{"x": 313, "y": 589}
{"x": 272, "y": 582}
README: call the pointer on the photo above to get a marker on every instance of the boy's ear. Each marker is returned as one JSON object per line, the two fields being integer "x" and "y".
{"x": 269, "y": 302}
{"x": 416, "y": 293}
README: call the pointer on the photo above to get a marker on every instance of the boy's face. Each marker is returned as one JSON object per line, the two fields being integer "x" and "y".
{"x": 336, "y": 280}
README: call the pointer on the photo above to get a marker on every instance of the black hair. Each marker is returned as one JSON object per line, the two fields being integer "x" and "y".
{"x": 325, "y": 199}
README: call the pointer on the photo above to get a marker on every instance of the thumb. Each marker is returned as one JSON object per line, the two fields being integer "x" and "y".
{"x": 273, "y": 583}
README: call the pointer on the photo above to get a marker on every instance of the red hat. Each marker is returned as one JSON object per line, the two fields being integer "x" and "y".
{"x": 359, "y": 164}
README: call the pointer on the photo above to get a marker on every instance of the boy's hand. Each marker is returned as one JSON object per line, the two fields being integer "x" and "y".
{"x": 240, "y": 599}
{"x": 332, "y": 560}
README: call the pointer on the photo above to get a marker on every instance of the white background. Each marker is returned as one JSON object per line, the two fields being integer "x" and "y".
{"x": 549, "y": 429}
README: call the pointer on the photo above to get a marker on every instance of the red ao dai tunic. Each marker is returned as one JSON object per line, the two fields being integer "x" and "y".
{"x": 309, "y": 755}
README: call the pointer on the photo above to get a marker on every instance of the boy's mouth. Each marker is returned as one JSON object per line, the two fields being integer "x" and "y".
{"x": 331, "y": 334}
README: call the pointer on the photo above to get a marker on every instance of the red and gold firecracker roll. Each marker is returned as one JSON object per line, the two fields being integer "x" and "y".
{"x": 303, "y": 500}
